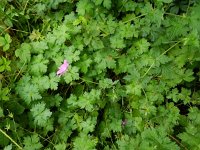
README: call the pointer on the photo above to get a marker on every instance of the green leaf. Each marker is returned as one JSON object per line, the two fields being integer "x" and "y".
{"x": 6, "y": 47}
{"x": 105, "y": 59}
{"x": 1, "y": 112}
{"x": 185, "y": 95}
{"x": 192, "y": 141}
{"x": 146, "y": 60}
{"x": 134, "y": 88}
{"x": 88, "y": 100}
{"x": 116, "y": 125}
{"x": 9, "y": 147}
{"x": 41, "y": 82}
{"x": 188, "y": 75}
{"x": 30, "y": 93}
{"x": 113, "y": 118}
{"x": 175, "y": 27}
{"x": 174, "y": 95}
{"x": 54, "y": 100}
{"x": 97, "y": 43}
{"x": 4, "y": 141}
{"x": 169, "y": 116}
{"x": 194, "y": 115}
{"x": 68, "y": 125}
{"x": 4, "y": 64}
{"x": 126, "y": 142}
{"x": 85, "y": 63}
{"x": 26, "y": 90}
{"x": 40, "y": 114}
{"x": 97, "y": 2}
{"x": 71, "y": 54}
{"x": 117, "y": 41}
{"x": 53, "y": 81}
{"x": 124, "y": 63}
{"x": 2, "y": 41}
{"x": 2, "y": 68}
{"x": 194, "y": 17}
{"x": 192, "y": 39}
{"x": 158, "y": 138}
{"x": 61, "y": 146}
{"x": 40, "y": 8}
{"x": 84, "y": 141}
{"x": 142, "y": 46}
{"x": 191, "y": 137}
{"x": 35, "y": 35}
{"x": 88, "y": 125}
{"x": 32, "y": 143}
{"x": 38, "y": 65}
{"x": 5, "y": 42}
{"x": 105, "y": 83}
{"x": 13, "y": 104}
{"x": 39, "y": 47}
{"x": 130, "y": 5}
{"x": 49, "y": 126}
{"x": 8, "y": 39}
{"x": 4, "y": 94}
{"x": 107, "y": 3}
{"x": 72, "y": 100}
{"x": 71, "y": 74}
{"x": 24, "y": 52}
{"x": 83, "y": 7}
{"x": 8, "y": 22}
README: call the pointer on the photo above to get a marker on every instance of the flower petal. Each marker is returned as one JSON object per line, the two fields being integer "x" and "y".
{"x": 63, "y": 68}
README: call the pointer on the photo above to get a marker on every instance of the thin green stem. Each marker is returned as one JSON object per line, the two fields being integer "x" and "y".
{"x": 8, "y": 28}
{"x": 148, "y": 69}
{"x": 177, "y": 141}
{"x": 174, "y": 15}
{"x": 16, "y": 130}
{"x": 45, "y": 139}
{"x": 6, "y": 135}
{"x": 159, "y": 57}
{"x": 25, "y": 6}
{"x": 110, "y": 136}
{"x": 134, "y": 18}
{"x": 170, "y": 48}
{"x": 19, "y": 72}
{"x": 88, "y": 81}
{"x": 19, "y": 30}
{"x": 188, "y": 7}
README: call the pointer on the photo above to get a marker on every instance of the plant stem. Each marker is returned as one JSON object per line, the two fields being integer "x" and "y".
{"x": 160, "y": 56}
{"x": 4, "y": 133}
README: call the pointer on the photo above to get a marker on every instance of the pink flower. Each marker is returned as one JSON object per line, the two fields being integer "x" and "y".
{"x": 62, "y": 68}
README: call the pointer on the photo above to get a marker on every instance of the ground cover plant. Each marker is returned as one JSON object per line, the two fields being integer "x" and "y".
{"x": 99, "y": 74}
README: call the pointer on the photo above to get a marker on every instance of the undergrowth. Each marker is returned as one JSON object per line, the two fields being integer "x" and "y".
{"x": 131, "y": 79}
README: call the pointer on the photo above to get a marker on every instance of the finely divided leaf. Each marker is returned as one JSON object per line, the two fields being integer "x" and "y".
{"x": 40, "y": 114}
{"x": 32, "y": 143}
{"x": 24, "y": 52}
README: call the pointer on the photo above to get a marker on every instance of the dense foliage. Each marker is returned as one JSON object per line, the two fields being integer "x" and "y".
{"x": 132, "y": 80}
